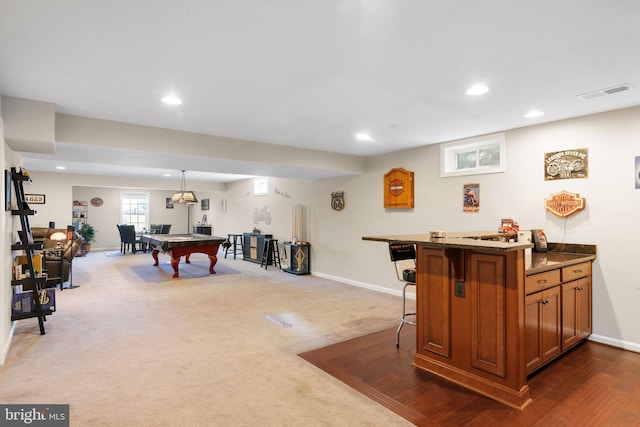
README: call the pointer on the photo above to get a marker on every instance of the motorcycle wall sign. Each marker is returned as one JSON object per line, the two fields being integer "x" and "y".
{"x": 262, "y": 215}
{"x": 566, "y": 164}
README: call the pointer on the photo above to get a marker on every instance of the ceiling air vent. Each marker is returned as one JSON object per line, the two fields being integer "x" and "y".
{"x": 602, "y": 92}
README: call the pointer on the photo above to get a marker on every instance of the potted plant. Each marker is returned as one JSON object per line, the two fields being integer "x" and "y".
{"x": 87, "y": 232}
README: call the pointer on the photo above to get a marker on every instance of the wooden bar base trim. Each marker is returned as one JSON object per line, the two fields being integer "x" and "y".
{"x": 518, "y": 399}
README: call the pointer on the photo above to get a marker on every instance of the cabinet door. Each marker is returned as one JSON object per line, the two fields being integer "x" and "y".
{"x": 576, "y": 311}
{"x": 398, "y": 188}
{"x": 542, "y": 327}
{"x": 487, "y": 286}
{"x": 433, "y": 302}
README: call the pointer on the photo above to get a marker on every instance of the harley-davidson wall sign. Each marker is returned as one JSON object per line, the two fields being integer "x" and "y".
{"x": 564, "y": 204}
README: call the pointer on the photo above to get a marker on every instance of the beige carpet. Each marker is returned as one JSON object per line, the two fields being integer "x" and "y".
{"x": 219, "y": 350}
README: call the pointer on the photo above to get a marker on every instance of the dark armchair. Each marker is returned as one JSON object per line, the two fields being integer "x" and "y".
{"x": 128, "y": 239}
{"x": 58, "y": 262}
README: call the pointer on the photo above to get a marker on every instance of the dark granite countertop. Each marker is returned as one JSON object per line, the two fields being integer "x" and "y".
{"x": 559, "y": 255}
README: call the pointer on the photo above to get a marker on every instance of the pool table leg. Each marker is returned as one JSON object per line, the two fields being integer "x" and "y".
{"x": 175, "y": 261}
{"x": 212, "y": 261}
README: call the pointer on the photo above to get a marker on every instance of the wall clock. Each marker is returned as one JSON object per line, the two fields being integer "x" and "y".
{"x": 97, "y": 202}
{"x": 398, "y": 189}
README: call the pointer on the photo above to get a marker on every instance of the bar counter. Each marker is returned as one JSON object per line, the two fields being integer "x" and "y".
{"x": 490, "y": 311}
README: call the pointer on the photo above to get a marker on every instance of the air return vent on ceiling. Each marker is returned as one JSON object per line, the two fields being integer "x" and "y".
{"x": 602, "y": 92}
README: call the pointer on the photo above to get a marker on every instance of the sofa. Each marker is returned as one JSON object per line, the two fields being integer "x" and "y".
{"x": 59, "y": 270}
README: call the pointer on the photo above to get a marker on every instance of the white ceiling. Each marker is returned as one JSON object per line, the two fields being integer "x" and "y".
{"x": 312, "y": 73}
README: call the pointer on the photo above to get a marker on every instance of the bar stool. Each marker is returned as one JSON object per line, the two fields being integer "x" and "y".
{"x": 233, "y": 242}
{"x": 403, "y": 256}
{"x": 270, "y": 253}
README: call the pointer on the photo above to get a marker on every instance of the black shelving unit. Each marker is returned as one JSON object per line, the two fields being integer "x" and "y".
{"x": 34, "y": 284}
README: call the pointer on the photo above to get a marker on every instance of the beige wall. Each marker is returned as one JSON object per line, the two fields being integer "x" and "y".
{"x": 609, "y": 219}
{"x": 338, "y": 251}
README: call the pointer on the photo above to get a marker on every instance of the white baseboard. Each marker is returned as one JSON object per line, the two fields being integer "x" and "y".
{"x": 626, "y": 345}
{"x": 396, "y": 292}
{"x": 5, "y": 353}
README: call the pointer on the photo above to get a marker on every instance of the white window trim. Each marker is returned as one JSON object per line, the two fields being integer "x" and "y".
{"x": 135, "y": 195}
{"x": 261, "y": 186}
{"x": 449, "y": 150}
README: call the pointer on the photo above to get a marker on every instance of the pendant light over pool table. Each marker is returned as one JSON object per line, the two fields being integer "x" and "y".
{"x": 184, "y": 196}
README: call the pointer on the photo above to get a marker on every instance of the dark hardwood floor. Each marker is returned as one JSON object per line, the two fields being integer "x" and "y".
{"x": 593, "y": 385}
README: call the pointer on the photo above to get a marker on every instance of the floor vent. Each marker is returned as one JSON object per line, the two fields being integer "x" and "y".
{"x": 609, "y": 91}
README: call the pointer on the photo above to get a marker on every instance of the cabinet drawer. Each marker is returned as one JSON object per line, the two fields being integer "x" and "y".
{"x": 576, "y": 271}
{"x": 540, "y": 281}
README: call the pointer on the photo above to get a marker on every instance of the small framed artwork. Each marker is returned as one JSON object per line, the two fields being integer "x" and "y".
{"x": 35, "y": 199}
{"x": 7, "y": 190}
{"x": 204, "y": 204}
{"x": 169, "y": 203}
{"x": 471, "y": 198}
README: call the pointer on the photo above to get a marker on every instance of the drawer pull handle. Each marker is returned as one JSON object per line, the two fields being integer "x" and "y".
{"x": 577, "y": 271}
{"x": 580, "y": 288}
{"x": 542, "y": 281}
{"x": 544, "y": 301}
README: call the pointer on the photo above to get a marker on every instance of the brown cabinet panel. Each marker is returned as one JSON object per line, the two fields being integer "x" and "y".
{"x": 542, "y": 327}
{"x": 488, "y": 313}
{"x": 576, "y": 311}
{"x": 540, "y": 281}
{"x": 577, "y": 271}
{"x": 434, "y": 302}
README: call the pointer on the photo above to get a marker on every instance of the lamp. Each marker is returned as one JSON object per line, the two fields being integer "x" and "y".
{"x": 184, "y": 196}
{"x": 58, "y": 236}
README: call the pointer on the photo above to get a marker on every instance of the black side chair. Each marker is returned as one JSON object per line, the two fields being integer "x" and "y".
{"x": 129, "y": 239}
{"x": 403, "y": 256}
{"x": 122, "y": 245}
{"x": 165, "y": 229}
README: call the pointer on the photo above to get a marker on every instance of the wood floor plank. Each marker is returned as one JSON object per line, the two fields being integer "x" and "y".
{"x": 594, "y": 385}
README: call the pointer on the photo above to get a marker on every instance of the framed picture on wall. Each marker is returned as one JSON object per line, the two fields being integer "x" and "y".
{"x": 35, "y": 199}
{"x": 169, "y": 203}
{"x": 204, "y": 204}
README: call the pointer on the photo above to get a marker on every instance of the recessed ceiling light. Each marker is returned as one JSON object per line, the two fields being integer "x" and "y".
{"x": 171, "y": 100}
{"x": 166, "y": 174}
{"x": 534, "y": 113}
{"x": 61, "y": 168}
{"x": 477, "y": 90}
{"x": 363, "y": 137}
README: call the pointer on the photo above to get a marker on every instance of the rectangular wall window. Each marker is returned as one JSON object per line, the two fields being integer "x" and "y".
{"x": 484, "y": 154}
{"x": 134, "y": 210}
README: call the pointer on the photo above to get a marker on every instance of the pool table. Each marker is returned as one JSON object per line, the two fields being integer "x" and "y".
{"x": 178, "y": 245}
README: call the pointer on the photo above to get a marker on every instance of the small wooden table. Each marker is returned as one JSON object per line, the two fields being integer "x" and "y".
{"x": 178, "y": 245}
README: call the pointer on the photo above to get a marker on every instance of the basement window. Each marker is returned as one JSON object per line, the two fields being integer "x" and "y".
{"x": 473, "y": 156}
{"x": 134, "y": 210}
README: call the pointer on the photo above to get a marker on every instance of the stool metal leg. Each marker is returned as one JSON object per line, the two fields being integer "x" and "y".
{"x": 403, "y": 318}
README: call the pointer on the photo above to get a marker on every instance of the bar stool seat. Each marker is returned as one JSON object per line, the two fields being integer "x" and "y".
{"x": 270, "y": 253}
{"x": 403, "y": 255}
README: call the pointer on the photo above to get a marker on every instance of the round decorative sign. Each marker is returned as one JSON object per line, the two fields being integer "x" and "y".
{"x": 97, "y": 201}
